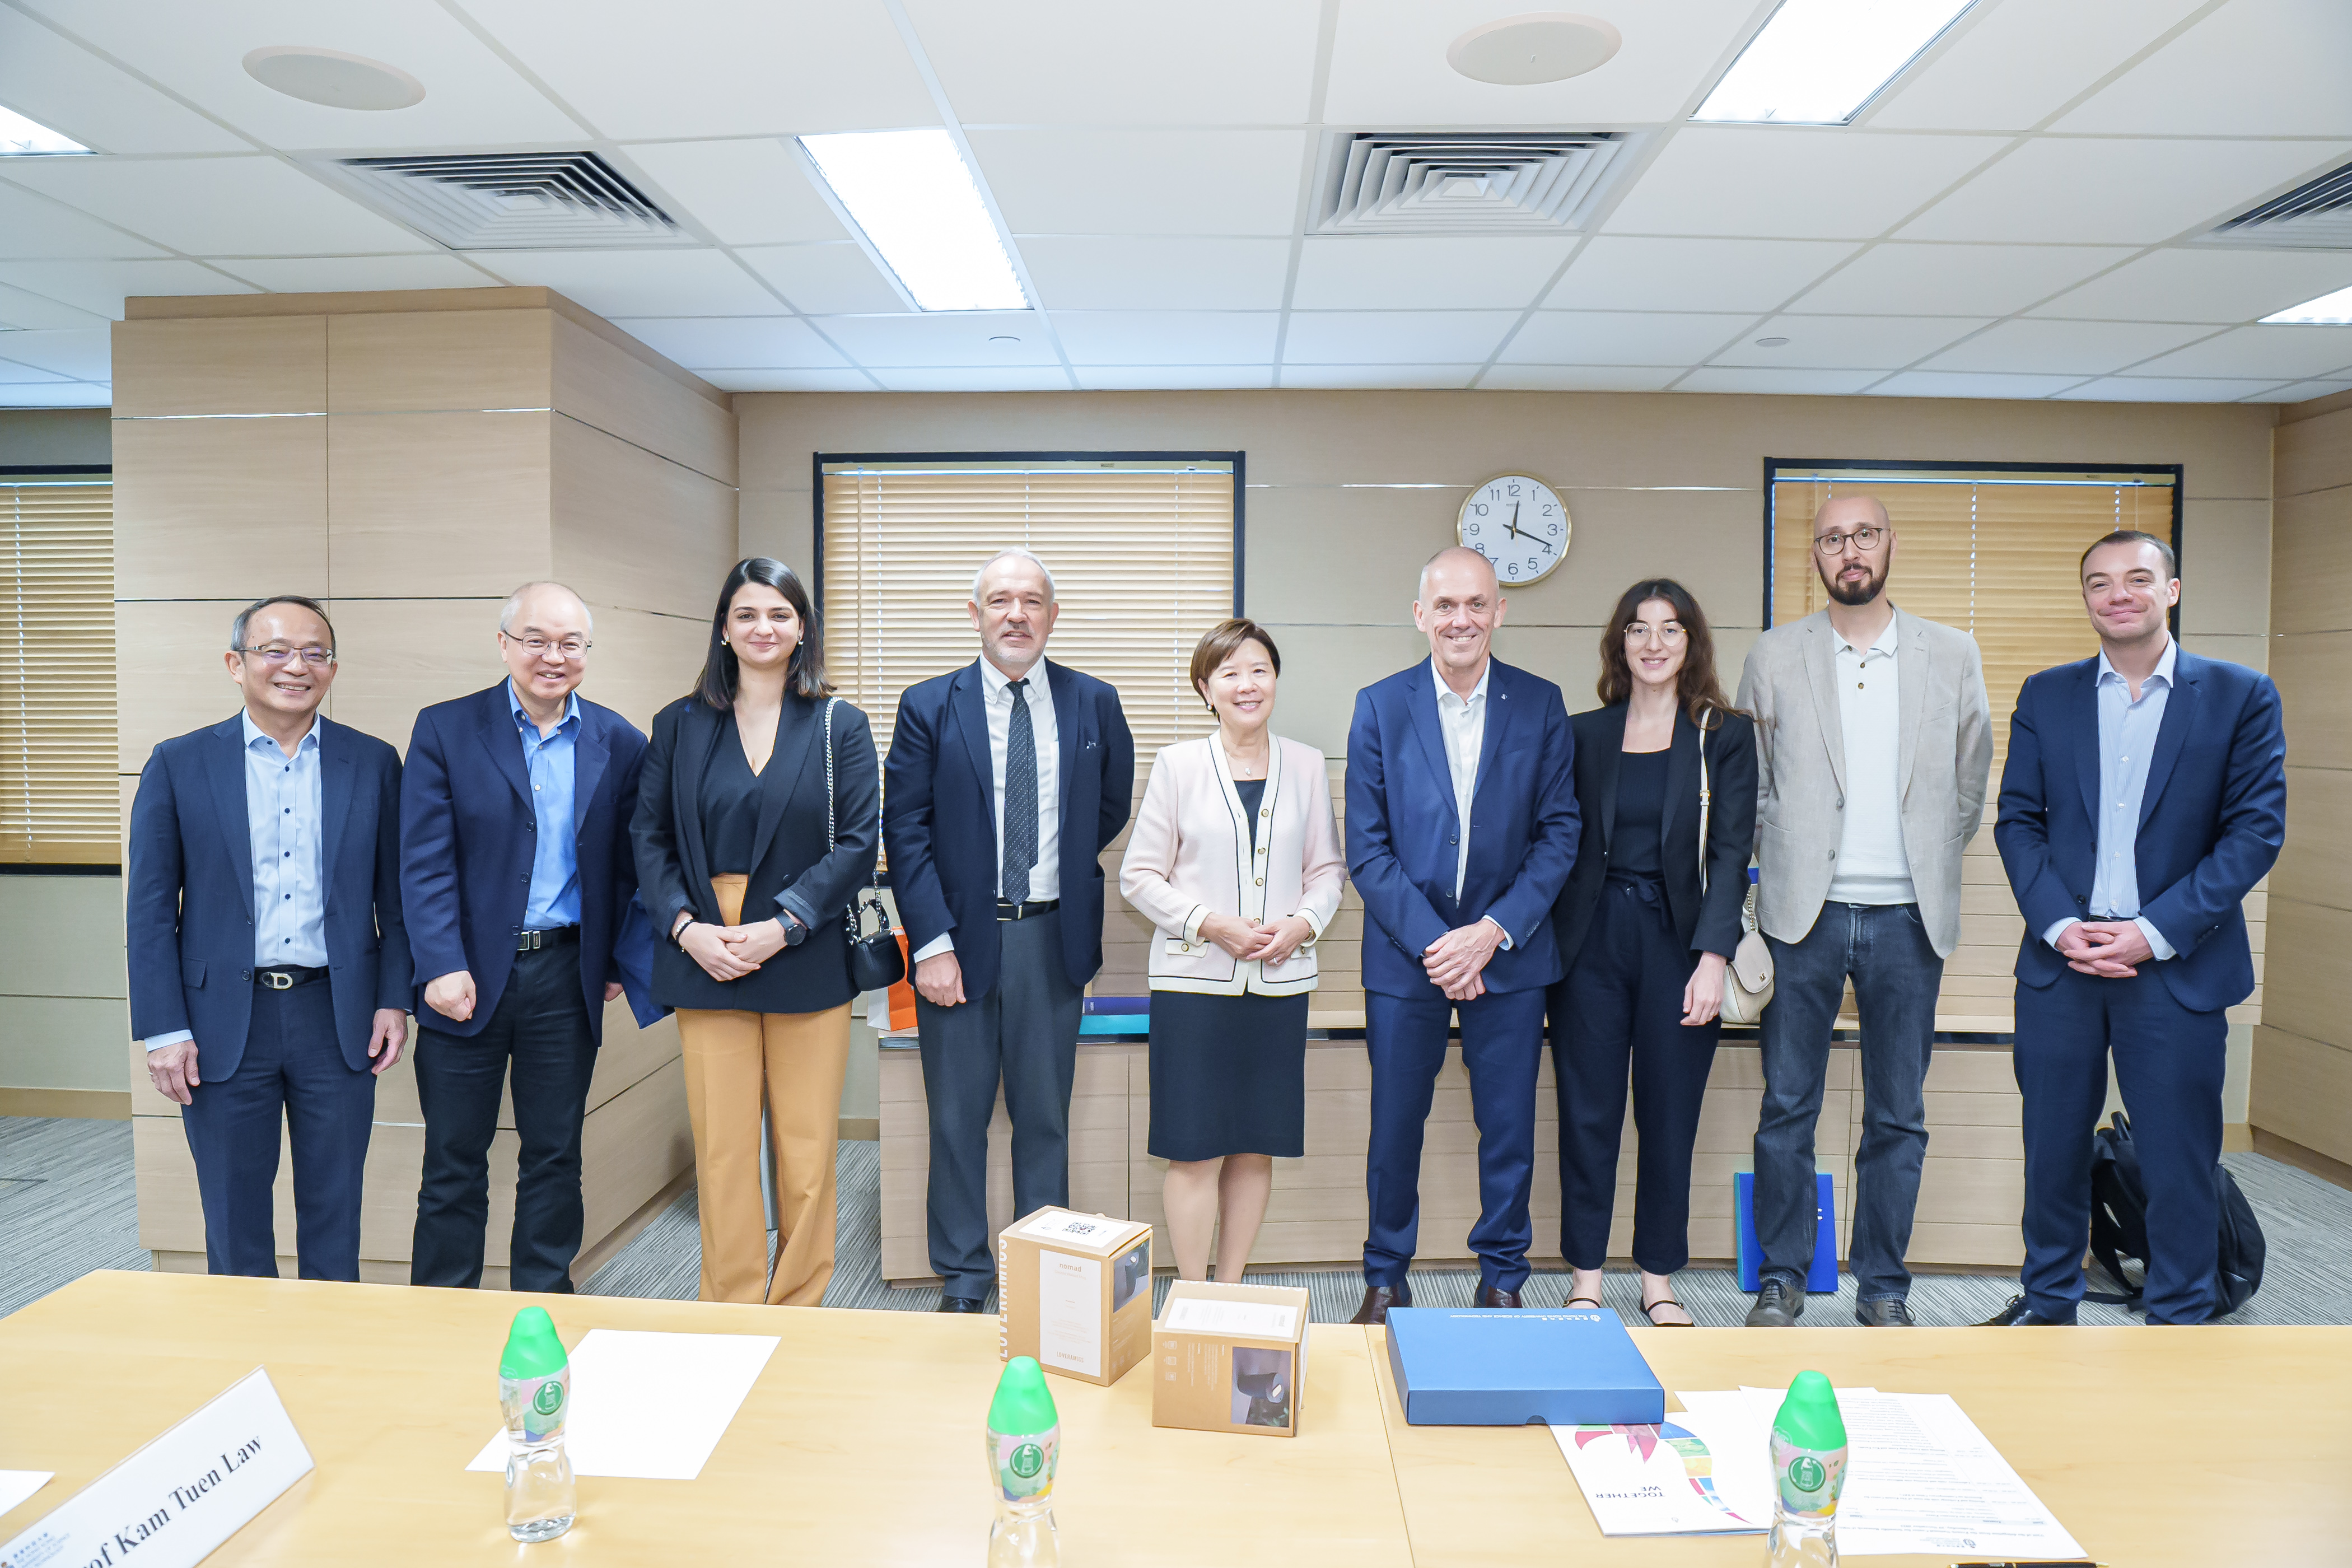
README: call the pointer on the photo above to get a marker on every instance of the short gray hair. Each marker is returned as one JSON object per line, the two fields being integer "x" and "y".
{"x": 237, "y": 625}
{"x": 1014, "y": 552}
{"x": 514, "y": 602}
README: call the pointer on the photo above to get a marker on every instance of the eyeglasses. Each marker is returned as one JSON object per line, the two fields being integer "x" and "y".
{"x": 1669, "y": 632}
{"x": 571, "y": 649}
{"x": 274, "y": 654}
{"x": 1864, "y": 539}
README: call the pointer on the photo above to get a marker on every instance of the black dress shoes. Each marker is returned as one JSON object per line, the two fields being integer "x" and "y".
{"x": 1492, "y": 1296}
{"x": 1379, "y": 1298}
{"x": 961, "y": 1303}
{"x": 2018, "y": 1315}
{"x": 1883, "y": 1312}
{"x": 1778, "y": 1304}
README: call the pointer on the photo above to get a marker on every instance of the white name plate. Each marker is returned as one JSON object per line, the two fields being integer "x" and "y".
{"x": 169, "y": 1504}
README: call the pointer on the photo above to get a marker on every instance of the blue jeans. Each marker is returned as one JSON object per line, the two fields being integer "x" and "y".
{"x": 1896, "y": 976}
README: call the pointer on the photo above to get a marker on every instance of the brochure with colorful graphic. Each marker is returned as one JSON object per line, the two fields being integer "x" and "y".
{"x": 1698, "y": 1472}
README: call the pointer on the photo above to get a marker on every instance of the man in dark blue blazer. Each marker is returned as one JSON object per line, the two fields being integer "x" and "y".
{"x": 1461, "y": 829}
{"x": 268, "y": 967}
{"x": 519, "y": 886}
{"x": 1000, "y": 798}
{"x": 2144, "y": 796}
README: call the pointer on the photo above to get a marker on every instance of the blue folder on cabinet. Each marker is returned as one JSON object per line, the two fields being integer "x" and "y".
{"x": 1822, "y": 1276}
{"x": 1473, "y": 1368}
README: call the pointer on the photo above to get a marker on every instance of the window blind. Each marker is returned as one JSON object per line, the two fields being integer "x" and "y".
{"x": 1141, "y": 552}
{"x": 60, "y": 802}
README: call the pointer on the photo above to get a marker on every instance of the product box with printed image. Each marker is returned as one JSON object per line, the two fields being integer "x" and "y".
{"x": 1074, "y": 1291}
{"x": 1229, "y": 1358}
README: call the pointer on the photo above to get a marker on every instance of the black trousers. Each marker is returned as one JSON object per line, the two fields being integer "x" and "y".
{"x": 1620, "y": 1011}
{"x": 541, "y": 1027}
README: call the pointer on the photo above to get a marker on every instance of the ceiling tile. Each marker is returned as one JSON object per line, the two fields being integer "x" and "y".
{"x": 15, "y": 373}
{"x": 340, "y": 274}
{"x": 21, "y": 310}
{"x": 1792, "y": 182}
{"x": 2251, "y": 67}
{"x": 83, "y": 353}
{"x": 1424, "y": 272}
{"x": 2285, "y": 352}
{"x": 2094, "y": 192}
{"x": 1097, "y": 181}
{"x": 957, "y": 378}
{"x": 789, "y": 380}
{"x": 37, "y": 228}
{"x": 1943, "y": 384}
{"x": 1620, "y": 273}
{"x": 1389, "y": 69}
{"x": 56, "y": 395}
{"x": 1967, "y": 280}
{"x": 1620, "y": 338}
{"x": 1576, "y": 378}
{"x": 2064, "y": 347}
{"x": 100, "y": 287}
{"x": 217, "y": 206}
{"x": 1166, "y": 337}
{"x": 757, "y": 342}
{"x": 1816, "y": 383}
{"x": 1393, "y": 337}
{"x": 2302, "y": 392}
{"x": 1846, "y": 343}
{"x": 1371, "y": 376}
{"x": 944, "y": 338}
{"x": 1065, "y": 62}
{"x": 1177, "y": 377}
{"x": 752, "y": 191}
{"x": 2160, "y": 389}
{"x": 1176, "y": 274}
{"x": 2215, "y": 284}
{"x": 639, "y": 283}
{"x": 2016, "y": 65}
{"x": 67, "y": 89}
{"x": 825, "y": 280}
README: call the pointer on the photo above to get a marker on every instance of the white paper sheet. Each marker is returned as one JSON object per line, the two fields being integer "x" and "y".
{"x": 1249, "y": 1320}
{"x": 649, "y": 1405}
{"x": 1703, "y": 1471}
{"x": 16, "y": 1486}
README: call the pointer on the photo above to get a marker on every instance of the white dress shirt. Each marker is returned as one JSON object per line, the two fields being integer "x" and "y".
{"x": 2127, "y": 732}
{"x": 1462, "y": 722}
{"x": 996, "y": 698}
{"x": 1873, "y": 867}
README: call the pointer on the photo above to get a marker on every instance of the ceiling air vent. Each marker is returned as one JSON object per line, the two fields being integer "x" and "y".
{"x": 1464, "y": 182}
{"x": 2312, "y": 217}
{"x": 511, "y": 201}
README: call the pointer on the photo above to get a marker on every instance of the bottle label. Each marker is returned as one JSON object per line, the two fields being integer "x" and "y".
{"x": 1809, "y": 1479}
{"x": 539, "y": 1404}
{"x": 1023, "y": 1462}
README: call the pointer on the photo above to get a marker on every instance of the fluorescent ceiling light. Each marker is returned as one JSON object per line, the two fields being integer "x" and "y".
{"x": 921, "y": 208}
{"x": 2327, "y": 311}
{"x": 22, "y": 138}
{"x": 1817, "y": 62}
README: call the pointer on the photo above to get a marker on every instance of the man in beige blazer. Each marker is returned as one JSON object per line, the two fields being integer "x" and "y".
{"x": 1872, "y": 749}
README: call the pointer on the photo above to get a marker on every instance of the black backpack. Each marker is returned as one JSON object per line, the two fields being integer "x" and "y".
{"x": 2119, "y": 1224}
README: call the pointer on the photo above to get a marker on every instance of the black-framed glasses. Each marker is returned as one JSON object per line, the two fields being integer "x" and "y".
{"x": 275, "y": 654}
{"x": 571, "y": 649}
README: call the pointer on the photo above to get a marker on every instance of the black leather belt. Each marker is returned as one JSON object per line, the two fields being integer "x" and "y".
{"x": 287, "y": 977}
{"x": 553, "y": 936}
{"x": 1008, "y": 910}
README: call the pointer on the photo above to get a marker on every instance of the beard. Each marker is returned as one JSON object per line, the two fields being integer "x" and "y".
{"x": 1859, "y": 593}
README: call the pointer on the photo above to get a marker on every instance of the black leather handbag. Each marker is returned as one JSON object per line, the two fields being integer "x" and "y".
{"x": 877, "y": 960}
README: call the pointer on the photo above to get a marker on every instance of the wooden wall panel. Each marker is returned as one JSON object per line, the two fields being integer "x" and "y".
{"x": 2311, "y": 454}
{"x": 400, "y": 655}
{"x": 642, "y": 662}
{"x": 425, "y": 360}
{"x": 2312, "y": 592}
{"x": 2316, "y": 866}
{"x": 671, "y": 413}
{"x": 220, "y": 508}
{"x": 435, "y": 506}
{"x": 2302, "y": 1090}
{"x": 633, "y": 529}
{"x": 270, "y": 365}
{"x": 175, "y": 673}
{"x": 2310, "y": 670}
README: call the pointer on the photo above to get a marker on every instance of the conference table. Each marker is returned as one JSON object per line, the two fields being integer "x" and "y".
{"x": 861, "y": 1442}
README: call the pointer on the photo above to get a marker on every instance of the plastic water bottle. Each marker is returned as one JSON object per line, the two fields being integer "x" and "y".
{"x": 1024, "y": 1434}
{"x": 535, "y": 1396}
{"x": 1808, "y": 1473}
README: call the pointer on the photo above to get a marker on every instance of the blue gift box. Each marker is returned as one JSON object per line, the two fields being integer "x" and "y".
{"x": 1496, "y": 1368}
{"x": 1823, "y": 1275}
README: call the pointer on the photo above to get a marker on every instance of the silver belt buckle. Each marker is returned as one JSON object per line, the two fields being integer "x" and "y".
{"x": 277, "y": 980}
{"x": 529, "y": 941}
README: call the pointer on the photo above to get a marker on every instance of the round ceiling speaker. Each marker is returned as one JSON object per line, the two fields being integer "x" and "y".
{"x": 332, "y": 77}
{"x": 1539, "y": 46}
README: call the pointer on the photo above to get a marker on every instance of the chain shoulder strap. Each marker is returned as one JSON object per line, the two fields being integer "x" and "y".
{"x": 1705, "y": 811}
{"x": 828, "y": 772}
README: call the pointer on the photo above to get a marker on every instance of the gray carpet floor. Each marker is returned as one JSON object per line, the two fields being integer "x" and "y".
{"x": 67, "y": 1207}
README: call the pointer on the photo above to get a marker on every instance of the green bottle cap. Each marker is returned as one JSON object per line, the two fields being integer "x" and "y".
{"x": 1023, "y": 1406}
{"x": 532, "y": 1347}
{"x": 1809, "y": 1418}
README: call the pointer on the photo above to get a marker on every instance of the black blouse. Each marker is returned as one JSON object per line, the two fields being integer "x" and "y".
{"x": 1640, "y": 811}
{"x": 1252, "y": 795}
{"x": 729, "y": 804}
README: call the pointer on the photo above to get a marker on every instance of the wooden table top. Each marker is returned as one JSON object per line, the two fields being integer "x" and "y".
{"x": 861, "y": 1442}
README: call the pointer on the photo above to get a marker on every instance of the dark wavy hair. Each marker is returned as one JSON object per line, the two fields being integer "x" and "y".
{"x": 1696, "y": 683}
{"x": 805, "y": 678}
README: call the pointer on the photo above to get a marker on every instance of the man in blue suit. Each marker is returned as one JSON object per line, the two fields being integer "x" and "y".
{"x": 2144, "y": 796}
{"x": 1462, "y": 826}
{"x": 520, "y": 887}
{"x": 1006, "y": 781}
{"x": 268, "y": 967}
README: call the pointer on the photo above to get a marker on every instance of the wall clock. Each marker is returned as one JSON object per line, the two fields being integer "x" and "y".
{"x": 1519, "y": 524}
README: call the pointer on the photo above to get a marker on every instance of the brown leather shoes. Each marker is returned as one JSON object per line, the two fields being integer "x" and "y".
{"x": 1379, "y": 1298}
{"x": 1491, "y": 1295}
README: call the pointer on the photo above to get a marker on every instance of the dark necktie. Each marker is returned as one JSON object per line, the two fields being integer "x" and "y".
{"x": 1020, "y": 797}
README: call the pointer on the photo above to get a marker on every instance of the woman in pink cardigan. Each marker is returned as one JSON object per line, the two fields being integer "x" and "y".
{"x": 1235, "y": 857}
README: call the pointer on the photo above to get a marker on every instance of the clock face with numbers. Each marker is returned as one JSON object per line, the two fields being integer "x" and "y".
{"x": 1519, "y": 524}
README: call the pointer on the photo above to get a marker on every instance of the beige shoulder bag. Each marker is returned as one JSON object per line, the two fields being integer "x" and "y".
{"x": 1747, "y": 979}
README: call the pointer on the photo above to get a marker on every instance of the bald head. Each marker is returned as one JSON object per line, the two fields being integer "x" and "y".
{"x": 1854, "y": 545}
{"x": 534, "y": 603}
{"x": 1842, "y": 513}
{"x": 1450, "y": 562}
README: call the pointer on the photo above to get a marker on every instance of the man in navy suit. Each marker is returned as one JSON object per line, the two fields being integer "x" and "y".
{"x": 1462, "y": 826}
{"x": 2144, "y": 796}
{"x": 268, "y": 967}
{"x": 520, "y": 887}
{"x": 1006, "y": 781}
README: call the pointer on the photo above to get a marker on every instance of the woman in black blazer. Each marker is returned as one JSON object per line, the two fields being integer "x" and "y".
{"x": 731, "y": 829}
{"x": 1644, "y": 951}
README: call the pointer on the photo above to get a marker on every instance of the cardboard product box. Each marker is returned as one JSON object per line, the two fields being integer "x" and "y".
{"x": 1474, "y": 1368}
{"x": 1229, "y": 1358}
{"x": 1074, "y": 1291}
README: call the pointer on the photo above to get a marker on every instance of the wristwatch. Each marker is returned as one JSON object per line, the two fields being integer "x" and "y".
{"x": 795, "y": 932}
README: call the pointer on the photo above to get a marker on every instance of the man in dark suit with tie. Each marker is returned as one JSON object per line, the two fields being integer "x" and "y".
{"x": 1461, "y": 829}
{"x": 268, "y": 967}
{"x": 2144, "y": 796}
{"x": 1006, "y": 781}
{"x": 519, "y": 886}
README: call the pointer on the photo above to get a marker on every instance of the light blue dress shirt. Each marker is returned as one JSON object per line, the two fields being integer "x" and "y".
{"x": 555, "y": 859}
{"x": 2127, "y": 732}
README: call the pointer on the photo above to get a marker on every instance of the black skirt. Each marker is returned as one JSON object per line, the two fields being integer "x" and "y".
{"x": 1228, "y": 1075}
